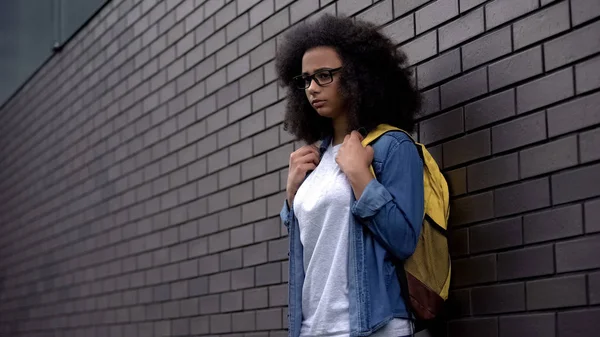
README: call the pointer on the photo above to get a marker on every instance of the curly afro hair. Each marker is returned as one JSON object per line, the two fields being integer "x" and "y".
{"x": 375, "y": 83}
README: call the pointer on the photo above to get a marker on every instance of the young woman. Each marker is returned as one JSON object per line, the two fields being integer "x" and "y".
{"x": 346, "y": 227}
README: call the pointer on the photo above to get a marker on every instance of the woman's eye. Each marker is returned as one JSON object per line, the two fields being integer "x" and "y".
{"x": 323, "y": 76}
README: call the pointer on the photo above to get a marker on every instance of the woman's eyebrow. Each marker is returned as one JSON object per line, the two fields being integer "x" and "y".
{"x": 317, "y": 70}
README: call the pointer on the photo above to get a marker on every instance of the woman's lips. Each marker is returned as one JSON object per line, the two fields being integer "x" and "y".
{"x": 318, "y": 103}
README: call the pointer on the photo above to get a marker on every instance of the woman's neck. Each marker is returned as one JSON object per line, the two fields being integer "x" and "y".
{"x": 340, "y": 129}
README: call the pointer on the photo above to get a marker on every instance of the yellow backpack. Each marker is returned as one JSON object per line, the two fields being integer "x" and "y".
{"x": 426, "y": 276}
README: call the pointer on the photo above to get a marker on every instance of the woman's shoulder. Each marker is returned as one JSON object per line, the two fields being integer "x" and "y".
{"x": 395, "y": 143}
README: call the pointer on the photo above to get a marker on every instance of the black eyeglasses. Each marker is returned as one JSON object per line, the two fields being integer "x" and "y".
{"x": 322, "y": 77}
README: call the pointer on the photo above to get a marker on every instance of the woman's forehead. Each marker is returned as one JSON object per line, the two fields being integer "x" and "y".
{"x": 320, "y": 58}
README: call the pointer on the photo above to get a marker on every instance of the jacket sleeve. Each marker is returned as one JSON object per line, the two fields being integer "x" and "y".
{"x": 391, "y": 207}
{"x": 286, "y": 214}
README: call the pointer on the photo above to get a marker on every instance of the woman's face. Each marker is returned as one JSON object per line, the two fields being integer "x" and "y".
{"x": 324, "y": 63}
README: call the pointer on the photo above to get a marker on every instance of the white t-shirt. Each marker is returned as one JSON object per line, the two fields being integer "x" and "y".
{"x": 322, "y": 207}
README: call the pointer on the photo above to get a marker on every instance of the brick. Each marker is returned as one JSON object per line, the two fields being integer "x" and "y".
{"x": 400, "y": 30}
{"x": 228, "y": 94}
{"x": 208, "y": 264}
{"x": 241, "y": 193}
{"x": 216, "y": 81}
{"x": 379, "y": 14}
{"x": 554, "y": 224}
{"x": 528, "y": 325}
{"x": 276, "y": 23}
{"x": 584, "y": 10}
{"x": 219, "y": 282}
{"x": 441, "y": 127}
{"x": 500, "y": 11}
{"x": 242, "y": 236}
{"x": 231, "y": 259}
{"x": 278, "y": 295}
{"x": 268, "y": 274}
{"x": 267, "y": 229}
{"x": 212, "y": 6}
{"x": 279, "y": 157}
{"x": 241, "y": 279}
{"x": 180, "y": 326}
{"x": 549, "y": 157}
{"x": 301, "y": 9}
{"x": 253, "y": 124}
{"x": 231, "y": 301}
{"x": 264, "y": 97}
{"x": 475, "y": 270}
{"x": 435, "y": 13}
{"x": 220, "y": 323}
{"x": 230, "y": 218}
{"x": 486, "y": 48}
{"x": 438, "y": 69}
{"x": 254, "y": 167}
{"x": 256, "y": 298}
{"x": 594, "y": 288}
{"x": 218, "y": 242}
{"x": 500, "y": 234}
{"x": 402, "y": 7}
{"x": 457, "y": 181}
{"x": 269, "y": 319}
{"x": 218, "y": 160}
{"x": 459, "y": 303}
{"x": 465, "y": 5}
{"x": 576, "y": 184}
{"x": 572, "y": 47}
{"x": 255, "y": 210}
{"x": 243, "y": 321}
{"x": 245, "y": 5}
{"x": 498, "y": 298}
{"x": 467, "y": 148}
{"x": 579, "y": 323}
{"x": 464, "y": 88}
{"x": 515, "y": 68}
{"x": 351, "y": 7}
{"x": 522, "y": 197}
{"x": 228, "y": 136}
{"x": 558, "y": 292}
{"x": 200, "y": 325}
{"x": 205, "y": 68}
{"x": 229, "y": 176}
{"x": 458, "y": 242}
{"x": 592, "y": 216}
{"x": 225, "y": 15}
{"x": 574, "y": 115}
{"x": 255, "y": 254}
{"x": 278, "y": 250}
{"x": 474, "y": 327}
{"x": 420, "y": 48}
{"x": 266, "y": 140}
{"x": 519, "y": 132}
{"x": 541, "y": 25}
{"x": 238, "y": 68}
{"x": 587, "y": 75}
{"x": 527, "y": 262}
{"x": 261, "y": 11}
{"x": 490, "y": 109}
{"x": 251, "y": 82}
{"x": 198, "y": 247}
{"x": 240, "y": 109}
{"x": 430, "y": 102}
{"x": 226, "y": 55}
{"x": 493, "y": 172}
{"x": 577, "y": 254}
{"x": 249, "y": 40}
{"x": 465, "y": 28}
{"x": 215, "y": 42}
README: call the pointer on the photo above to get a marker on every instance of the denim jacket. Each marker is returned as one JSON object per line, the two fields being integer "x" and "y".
{"x": 385, "y": 227}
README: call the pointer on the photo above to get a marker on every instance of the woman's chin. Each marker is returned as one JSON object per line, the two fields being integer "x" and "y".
{"x": 324, "y": 112}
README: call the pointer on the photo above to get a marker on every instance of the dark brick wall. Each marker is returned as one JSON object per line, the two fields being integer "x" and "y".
{"x": 143, "y": 167}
